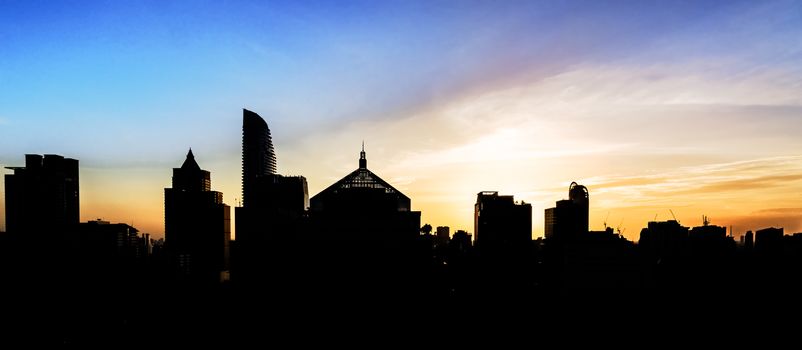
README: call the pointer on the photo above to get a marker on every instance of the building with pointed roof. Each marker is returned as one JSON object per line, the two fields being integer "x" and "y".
{"x": 190, "y": 177}
{"x": 197, "y": 225}
{"x": 363, "y": 206}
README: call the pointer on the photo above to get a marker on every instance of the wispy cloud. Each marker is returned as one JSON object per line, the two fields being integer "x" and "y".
{"x": 706, "y": 180}
{"x": 743, "y": 194}
{"x": 663, "y": 136}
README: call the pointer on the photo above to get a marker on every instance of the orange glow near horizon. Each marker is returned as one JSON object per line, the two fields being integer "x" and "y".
{"x": 630, "y": 201}
{"x": 641, "y": 147}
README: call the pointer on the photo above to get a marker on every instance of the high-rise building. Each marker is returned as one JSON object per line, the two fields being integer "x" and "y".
{"x": 43, "y": 195}
{"x": 580, "y": 198}
{"x": 569, "y": 217}
{"x": 550, "y": 222}
{"x": 258, "y": 155}
{"x": 283, "y": 193}
{"x": 503, "y": 241}
{"x": 499, "y": 222}
{"x": 273, "y": 205}
{"x": 277, "y": 204}
{"x": 196, "y": 225}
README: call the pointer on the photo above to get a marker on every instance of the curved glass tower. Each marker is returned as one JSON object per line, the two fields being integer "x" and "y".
{"x": 258, "y": 156}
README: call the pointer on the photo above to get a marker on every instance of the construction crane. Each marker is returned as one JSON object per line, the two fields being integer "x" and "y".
{"x": 672, "y": 215}
{"x": 618, "y": 229}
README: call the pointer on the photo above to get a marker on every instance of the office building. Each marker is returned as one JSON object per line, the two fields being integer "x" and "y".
{"x": 42, "y": 195}
{"x": 197, "y": 225}
{"x": 500, "y": 222}
{"x": 569, "y": 218}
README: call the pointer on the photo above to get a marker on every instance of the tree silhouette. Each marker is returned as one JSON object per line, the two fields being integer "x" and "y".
{"x": 426, "y": 229}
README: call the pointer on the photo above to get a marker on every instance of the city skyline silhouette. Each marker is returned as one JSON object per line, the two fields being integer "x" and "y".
{"x": 201, "y": 173}
{"x": 652, "y": 105}
{"x": 356, "y": 243}
{"x": 792, "y": 221}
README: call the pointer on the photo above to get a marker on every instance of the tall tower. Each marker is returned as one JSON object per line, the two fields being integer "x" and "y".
{"x": 258, "y": 155}
{"x": 197, "y": 225}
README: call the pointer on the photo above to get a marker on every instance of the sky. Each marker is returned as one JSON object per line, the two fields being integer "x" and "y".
{"x": 690, "y": 107}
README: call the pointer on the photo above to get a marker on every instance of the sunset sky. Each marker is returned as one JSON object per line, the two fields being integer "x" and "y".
{"x": 689, "y": 106}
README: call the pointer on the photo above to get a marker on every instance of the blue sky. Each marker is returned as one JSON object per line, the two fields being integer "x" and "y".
{"x": 127, "y": 87}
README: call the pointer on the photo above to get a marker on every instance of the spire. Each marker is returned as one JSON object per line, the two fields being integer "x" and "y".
{"x": 190, "y": 162}
{"x": 363, "y": 161}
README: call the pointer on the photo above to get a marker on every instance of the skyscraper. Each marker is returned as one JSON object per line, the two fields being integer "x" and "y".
{"x": 503, "y": 233}
{"x": 570, "y": 217}
{"x": 580, "y": 198}
{"x": 258, "y": 156}
{"x": 272, "y": 208}
{"x": 196, "y": 224}
{"x": 43, "y": 195}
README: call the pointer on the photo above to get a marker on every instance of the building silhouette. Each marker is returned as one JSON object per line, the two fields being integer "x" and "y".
{"x": 42, "y": 196}
{"x": 196, "y": 225}
{"x": 569, "y": 217}
{"x": 709, "y": 242}
{"x": 663, "y": 241}
{"x": 105, "y": 255}
{"x": 443, "y": 235}
{"x": 503, "y": 242}
{"x": 272, "y": 210}
{"x": 769, "y": 241}
{"x": 499, "y": 222}
{"x": 362, "y": 206}
{"x": 749, "y": 240}
{"x": 276, "y": 206}
{"x": 258, "y": 155}
{"x": 112, "y": 241}
{"x": 461, "y": 241}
